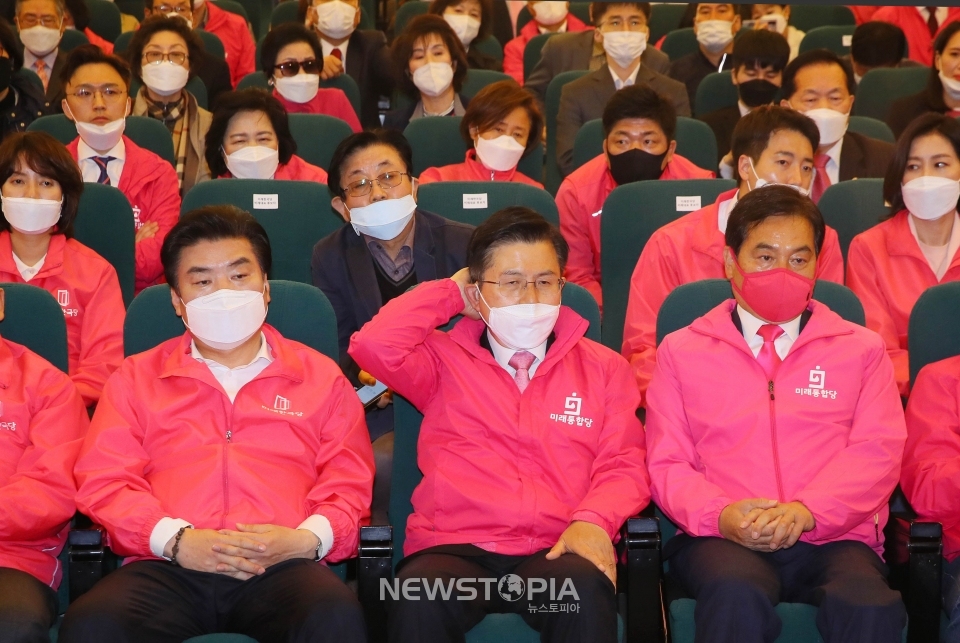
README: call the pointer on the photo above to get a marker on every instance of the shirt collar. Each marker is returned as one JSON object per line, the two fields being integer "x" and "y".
{"x": 263, "y": 353}
{"x": 503, "y": 355}
{"x": 628, "y": 81}
{"x": 724, "y": 210}
{"x": 28, "y": 272}
{"x": 326, "y": 48}
{"x": 751, "y": 325}
{"x": 562, "y": 29}
{"x": 118, "y": 151}
{"x": 29, "y": 58}
{"x": 834, "y": 152}
{"x": 407, "y": 240}
{"x": 744, "y": 110}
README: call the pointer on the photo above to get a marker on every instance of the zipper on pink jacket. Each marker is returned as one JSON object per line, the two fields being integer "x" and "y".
{"x": 773, "y": 436}
{"x": 226, "y": 487}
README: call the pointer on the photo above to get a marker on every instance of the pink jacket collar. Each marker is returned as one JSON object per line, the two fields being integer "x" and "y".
{"x": 482, "y": 172}
{"x": 823, "y": 323}
{"x": 708, "y": 238}
{"x": 286, "y": 363}
{"x": 52, "y": 265}
{"x": 901, "y": 242}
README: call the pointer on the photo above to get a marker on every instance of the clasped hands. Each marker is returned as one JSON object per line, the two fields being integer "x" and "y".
{"x": 765, "y": 525}
{"x": 242, "y": 553}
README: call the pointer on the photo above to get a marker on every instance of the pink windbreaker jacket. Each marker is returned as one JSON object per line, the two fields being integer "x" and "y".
{"x": 828, "y": 431}
{"x": 689, "y": 249}
{"x": 504, "y": 471}
{"x": 42, "y": 422}
{"x": 166, "y": 442}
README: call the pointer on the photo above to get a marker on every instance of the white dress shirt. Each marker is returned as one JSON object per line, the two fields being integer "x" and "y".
{"x": 782, "y": 344}
{"x": 28, "y": 272}
{"x": 724, "y": 210}
{"x": 328, "y": 48}
{"x": 89, "y": 168}
{"x": 562, "y": 29}
{"x": 232, "y": 380}
{"x": 833, "y": 165}
{"x": 941, "y": 14}
{"x": 627, "y": 82}
{"x": 938, "y": 258}
{"x": 503, "y": 355}
{"x": 744, "y": 110}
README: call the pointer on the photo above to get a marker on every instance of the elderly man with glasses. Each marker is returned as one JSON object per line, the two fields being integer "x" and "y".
{"x": 387, "y": 246}
{"x": 98, "y": 101}
{"x": 531, "y": 450}
{"x": 40, "y": 26}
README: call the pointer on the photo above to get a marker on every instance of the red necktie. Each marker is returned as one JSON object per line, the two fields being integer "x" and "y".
{"x": 932, "y": 23}
{"x": 767, "y": 357}
{"x": 336, "y": 53}
{"x": 522, "y": 361}
{"x": 102, "y": 162}
{"x": 822, "y": 180}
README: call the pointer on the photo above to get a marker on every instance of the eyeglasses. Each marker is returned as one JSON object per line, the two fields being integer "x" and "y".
{"x": 110, "y": 95}
{"x": 32, "y": 20}
{"x": 363, "y": 187}
{"x": 157, "y": 57}
{"x": 179, "y": 9}
{"x": 293, "y": 67}
{"x": 512, "y": 288}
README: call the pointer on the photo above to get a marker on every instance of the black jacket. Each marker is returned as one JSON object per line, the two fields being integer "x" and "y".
{"x": 29, "y": 105}
{"x": 368, "y": 63}
{"x": 399, "y": 118}
{"x": 722, "y": 121}
{"x": 904, "y": 110}
{"x": 343, "y": 269}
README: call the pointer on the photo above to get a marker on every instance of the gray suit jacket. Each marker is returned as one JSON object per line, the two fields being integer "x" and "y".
{"x": 573, "y": 51}
{"x": 585, "y": 99}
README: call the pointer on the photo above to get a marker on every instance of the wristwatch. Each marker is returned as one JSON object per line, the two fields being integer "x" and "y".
{"x": 317, "y": 557}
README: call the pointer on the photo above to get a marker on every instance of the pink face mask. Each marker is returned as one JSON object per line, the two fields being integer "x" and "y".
{"x": 776, "y": 295}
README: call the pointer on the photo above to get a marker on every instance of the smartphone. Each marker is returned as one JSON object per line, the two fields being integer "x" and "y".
{"x": 369, "y": 395}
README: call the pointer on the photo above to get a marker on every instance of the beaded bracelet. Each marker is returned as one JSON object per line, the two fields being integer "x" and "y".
{"x": 176, "y": 545}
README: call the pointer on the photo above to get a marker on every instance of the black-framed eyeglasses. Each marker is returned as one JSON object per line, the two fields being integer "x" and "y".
{"x": 363, "y": 187}
{"x": 293, "y": 67}
{"x": 513, "y": 288}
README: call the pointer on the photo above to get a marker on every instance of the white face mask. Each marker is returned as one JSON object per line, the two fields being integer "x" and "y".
{"x": 930, "y": 197}
{"x": 383, "y": 220}
{"x": 165, "y": 78}
{"x": 762, "y": 182}
{"x": 624, "y": 46}
{"x": 466, "y": 27}
{"x": 950, "y": 85}
{"x": 831, "y": 123}
{"x": 433, "y": 78}
{"x": 776, "y": 20}
{"x": 189, "y": 21}
{"x": 226, "y": 318}
{"x": 31, "y": 216}
{"x": 101, "y": 138}
{"x": 550, "y": 13}
{"x": 521, "y": 326}
{"x": 335, "y": 19}
{"x": 298, "y": 89}
{"x": 253, "y": 162}
{"x": 715, "y": 35}
{"x": 40, "y": 40}
{"x": 501, "y": 153}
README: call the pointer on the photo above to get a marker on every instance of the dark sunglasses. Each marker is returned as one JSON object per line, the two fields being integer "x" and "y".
{"x": 292, "y": 67}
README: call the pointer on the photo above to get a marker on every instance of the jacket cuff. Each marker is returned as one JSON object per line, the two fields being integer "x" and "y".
{"x": 586, "y": 515}
{"x": 166, "y": 529}
{"x": 710, "y": 518}
{"x": 321, "y": 528}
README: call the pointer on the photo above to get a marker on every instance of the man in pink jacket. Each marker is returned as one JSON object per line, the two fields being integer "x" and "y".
{"x": 770, "y": 145}
{"x": 548, "y": 17}
{"x": 237, "y": 455}
{"x": 775, "y": 434}
{"x": 97, "y": 100}
{"x": 531, "y": 451}
{"x": 931, "y": 467}
{"x": 640, "y": 145}
{"x": 42, "y": 422}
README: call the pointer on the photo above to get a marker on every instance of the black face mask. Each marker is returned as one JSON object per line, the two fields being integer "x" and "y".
{"x": 6, "y": 70}
{"x": 757, "y": 92}
{"x": 635, "y": 165}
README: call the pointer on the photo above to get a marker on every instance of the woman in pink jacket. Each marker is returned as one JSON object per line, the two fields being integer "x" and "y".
{"x": 250, "y": 138}
{"x": 931, "y": 468}
{"x": 890, "y": 265}
{"x": 42, "y": 423}
{"x": 292, "y": 60}
{"x": 501, "y": 126}
{"x": 41, "y": 185}
{"x": 774, "y": 437}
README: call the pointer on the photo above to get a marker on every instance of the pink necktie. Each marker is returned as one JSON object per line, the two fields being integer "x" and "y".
{"x": 522, "y": 361}
{"x": 822, "y": 180}
{"x": 41, "y": 68}
{"x": 767, "y": 357}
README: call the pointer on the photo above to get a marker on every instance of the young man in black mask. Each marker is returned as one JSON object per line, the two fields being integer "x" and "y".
{"x": 639, "y": 126}
{"x": 759, "y": 57}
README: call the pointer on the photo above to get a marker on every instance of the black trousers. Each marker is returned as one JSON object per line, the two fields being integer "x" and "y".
{"x": 736, "y": 590}
{"x": 28, "y": 608}
{"x": 590, "y": 615}
{"x": 156, "y": 601}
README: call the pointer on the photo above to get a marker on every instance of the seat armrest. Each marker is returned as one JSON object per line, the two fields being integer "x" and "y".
{"x": 87, "y": 554}
{"x": 640, "y": 536}
{"x": 923, "y": 591}
{"x": 374, "y": 570}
